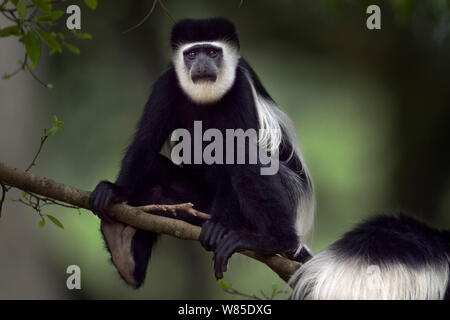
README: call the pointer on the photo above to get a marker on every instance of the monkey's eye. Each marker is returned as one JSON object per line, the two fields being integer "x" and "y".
{"x": 191, "y": 55}
{"x": 212, "y": 53}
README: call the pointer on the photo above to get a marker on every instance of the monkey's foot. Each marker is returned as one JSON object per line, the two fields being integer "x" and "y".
{"x": 211, "y": 234}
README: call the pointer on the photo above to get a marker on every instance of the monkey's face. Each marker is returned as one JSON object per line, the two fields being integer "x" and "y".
{"x": 206, "y": 70}
{"x": 203, "y": 62}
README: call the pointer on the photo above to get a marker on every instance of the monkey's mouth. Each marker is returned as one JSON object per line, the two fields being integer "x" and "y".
{"x": 204, "y": 78}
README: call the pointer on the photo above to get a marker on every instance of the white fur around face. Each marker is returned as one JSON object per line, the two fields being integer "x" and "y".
{"x": 329, "y": 277}
{"x": 207, "y": 92}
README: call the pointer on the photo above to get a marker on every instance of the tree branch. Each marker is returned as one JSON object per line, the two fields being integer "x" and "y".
{"x": 134, "y": 216}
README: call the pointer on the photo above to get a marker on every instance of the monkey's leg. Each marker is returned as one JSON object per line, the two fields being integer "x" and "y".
{"x": 131, "y": 248}
{"x": 225, "y": 216}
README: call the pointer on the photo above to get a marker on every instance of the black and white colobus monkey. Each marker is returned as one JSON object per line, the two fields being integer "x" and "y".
{"x": 388, "y": 257}
{"x": 209, "y": 81}
{"x": 393, "y": 257}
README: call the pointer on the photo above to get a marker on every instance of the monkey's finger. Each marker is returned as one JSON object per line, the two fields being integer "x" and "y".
{"x": 96, "y": 204}
{"x": 217, "y": 235}
{"x": 104, "y": 203}
{"x": 209, "y": 237}
{"x": 201, "y": 238}
{"x": 99, "y": 203}
{"x": 94, "y": 201}
{"x": 226, "y": 249}
{"x": 206, "y": 234}
{"x": 106, "y": 199}
{"x": 217, "y": 271}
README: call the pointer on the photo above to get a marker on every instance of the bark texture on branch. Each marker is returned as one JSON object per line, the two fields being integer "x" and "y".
{"x": 130, "y": 215}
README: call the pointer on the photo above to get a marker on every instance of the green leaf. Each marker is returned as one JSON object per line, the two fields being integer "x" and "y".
{"x": 71, "y": 48}
{"x": 49, "y": 40}
{"x": 6, "y": 76}
{"x": 33, "y": 46}
{"x": 21, "y": 9}
{"x": 91, "y": 4}
{"x": 223, "y": 285}
{"x": 44, "y": 5}
{"x": 24, "y": 194}
{"x": 52, "y": 131}
{"x": 57, "y": 122}
{"x": 85, "y": 36}
{"x": 10, "y": 31}
{"x": 55, "y": 221}
{"x": 81, "y": 35}
{"x": 41, "y": 223}
{"x": 52, "y": 16}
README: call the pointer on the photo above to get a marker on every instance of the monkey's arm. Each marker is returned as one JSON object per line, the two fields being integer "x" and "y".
{"x": 140, "y": 161}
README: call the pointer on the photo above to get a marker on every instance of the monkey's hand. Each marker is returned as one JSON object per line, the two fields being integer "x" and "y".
{"x": 212, "y": 232}
{"x": 102, "y": 197}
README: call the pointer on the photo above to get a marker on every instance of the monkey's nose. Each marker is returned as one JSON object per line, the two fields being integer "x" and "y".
{"x": 203, "y": 74}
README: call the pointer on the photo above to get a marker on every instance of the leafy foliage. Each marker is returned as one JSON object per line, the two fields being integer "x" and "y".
{"x": 55, "y": 221}
{"x": 35, "y": 22}
{"x": 57, "y": 125}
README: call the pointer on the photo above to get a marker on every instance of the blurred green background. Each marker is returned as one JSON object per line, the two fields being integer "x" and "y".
{"x": 371, "y": 108}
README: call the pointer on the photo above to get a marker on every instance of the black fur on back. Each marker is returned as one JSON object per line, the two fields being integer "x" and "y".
{"x": 387, "y": 239}
{"x": 196, "y": 30}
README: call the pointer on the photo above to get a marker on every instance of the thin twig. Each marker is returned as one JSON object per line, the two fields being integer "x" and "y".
{"x": 6, "y": 16}
{"x": 37, "y": 79}
{"x": 165, "y": 10}
{"x": 186, "y": 207}
{"x": 144, "y": 19}
{"x": 23, "y": 66}
{"x": 48, "y": 201}
{"x": 33, "y": 163}
{"x": 147, "y": 16}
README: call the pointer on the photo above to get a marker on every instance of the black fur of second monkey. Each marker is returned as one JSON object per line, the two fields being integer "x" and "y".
{"x": 254, "y": 211}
